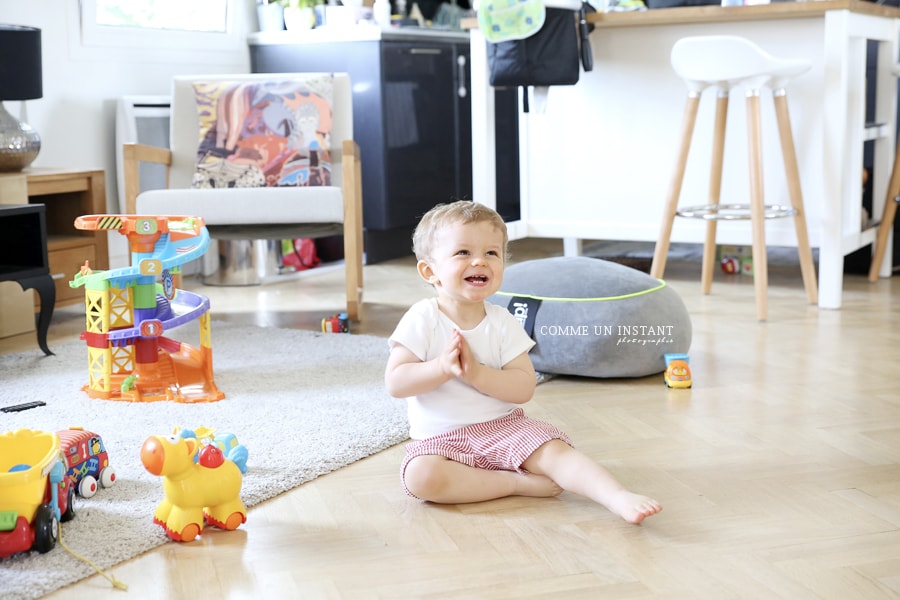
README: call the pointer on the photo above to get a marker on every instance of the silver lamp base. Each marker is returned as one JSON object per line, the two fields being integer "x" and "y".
{"x": 19, "y": 142}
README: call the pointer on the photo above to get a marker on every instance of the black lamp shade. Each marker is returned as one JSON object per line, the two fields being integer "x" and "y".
{"x": 21, "y": 76}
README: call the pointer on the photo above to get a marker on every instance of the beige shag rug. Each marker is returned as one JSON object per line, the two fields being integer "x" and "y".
{"x": 303, "y": 404}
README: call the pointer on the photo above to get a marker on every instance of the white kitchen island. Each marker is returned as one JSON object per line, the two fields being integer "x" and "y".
{"x": 597, "y": 162}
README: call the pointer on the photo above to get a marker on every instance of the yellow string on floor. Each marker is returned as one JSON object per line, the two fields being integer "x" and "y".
{"x": 111, "y": 578}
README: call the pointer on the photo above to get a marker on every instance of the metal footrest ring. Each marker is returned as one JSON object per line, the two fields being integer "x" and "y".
{"x": 734, "y": 212}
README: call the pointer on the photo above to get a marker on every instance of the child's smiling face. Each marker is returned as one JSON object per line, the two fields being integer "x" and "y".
{"x": 467, "y": 261}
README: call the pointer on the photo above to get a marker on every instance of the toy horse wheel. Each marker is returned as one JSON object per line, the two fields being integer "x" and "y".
{"x": 234, "y": 521}
{"x": 190, "y": 533}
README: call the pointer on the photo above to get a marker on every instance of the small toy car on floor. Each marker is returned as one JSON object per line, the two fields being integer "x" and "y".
{"x": 336, "y": 324}
{"x": 678, "y": 371}
{"x": 87, "y": 462}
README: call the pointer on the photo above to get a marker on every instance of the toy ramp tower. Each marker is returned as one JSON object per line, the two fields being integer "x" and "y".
{"x": 128, "y": 311}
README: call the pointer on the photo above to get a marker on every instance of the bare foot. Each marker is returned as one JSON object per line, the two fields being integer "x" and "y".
{"x": 536, "y": 486}
{"x": 632, "y": 507}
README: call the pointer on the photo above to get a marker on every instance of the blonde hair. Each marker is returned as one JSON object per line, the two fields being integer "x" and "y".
{"x": 462, "y": 212}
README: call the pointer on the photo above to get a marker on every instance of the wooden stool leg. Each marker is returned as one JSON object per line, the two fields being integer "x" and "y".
{"x": 715, "y": 190}
{"x": 757, "y": 204}
{"x": 353, "y": 228}
{"x": 881, "y": 239}
{"x": 887, "y": 218}
{"x": 789, "y": 154}
{"x": 660, "y": 253}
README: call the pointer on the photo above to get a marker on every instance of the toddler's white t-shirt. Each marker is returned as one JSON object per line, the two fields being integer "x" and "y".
{"x": 425, "y": 331}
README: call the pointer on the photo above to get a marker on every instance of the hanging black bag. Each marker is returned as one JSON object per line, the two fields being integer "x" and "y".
{"x": 551, "y": 56}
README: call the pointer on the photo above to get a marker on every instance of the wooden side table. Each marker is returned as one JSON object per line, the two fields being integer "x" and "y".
{"x": 23, "y": 259}
{"x": 68, "y": 194}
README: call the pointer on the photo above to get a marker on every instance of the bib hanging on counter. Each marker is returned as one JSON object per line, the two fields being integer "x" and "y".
{"x": 508, "y": 20}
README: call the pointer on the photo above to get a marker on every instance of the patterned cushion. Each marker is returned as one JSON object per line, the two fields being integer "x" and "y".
{"x": 264, "y": 133}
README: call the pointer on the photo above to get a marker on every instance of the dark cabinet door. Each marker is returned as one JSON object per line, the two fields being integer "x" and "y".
{"x": 420, "y": 99}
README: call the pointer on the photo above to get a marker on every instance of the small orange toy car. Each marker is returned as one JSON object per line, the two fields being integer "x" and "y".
{"x": 678, "y": 371}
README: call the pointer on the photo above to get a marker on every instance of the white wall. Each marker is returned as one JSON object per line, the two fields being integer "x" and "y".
{"x": 76, "y": 116}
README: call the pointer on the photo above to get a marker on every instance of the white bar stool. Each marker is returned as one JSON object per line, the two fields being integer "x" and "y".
{"x": 726, "y": 62}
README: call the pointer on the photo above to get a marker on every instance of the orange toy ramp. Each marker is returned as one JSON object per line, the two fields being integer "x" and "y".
{"x": 193, "y": 373}
{"x": 181, "y": 373}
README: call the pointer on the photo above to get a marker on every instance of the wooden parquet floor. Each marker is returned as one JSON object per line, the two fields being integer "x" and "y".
{"x": 779, "y": 471}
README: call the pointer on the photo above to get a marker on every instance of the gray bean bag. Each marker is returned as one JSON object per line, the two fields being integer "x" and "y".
{"x": 595, "y": 318}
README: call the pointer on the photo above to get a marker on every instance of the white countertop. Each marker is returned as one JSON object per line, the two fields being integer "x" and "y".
{"x": 357, "y": 33}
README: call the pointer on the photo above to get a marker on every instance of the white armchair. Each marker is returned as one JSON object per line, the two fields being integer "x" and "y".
{"x": 287, "y": 207}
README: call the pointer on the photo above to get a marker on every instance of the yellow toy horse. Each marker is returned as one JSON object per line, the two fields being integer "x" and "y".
{"x": 207, "y": 489}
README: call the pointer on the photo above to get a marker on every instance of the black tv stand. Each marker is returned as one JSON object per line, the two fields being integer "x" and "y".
{"x": 23, "y": 258}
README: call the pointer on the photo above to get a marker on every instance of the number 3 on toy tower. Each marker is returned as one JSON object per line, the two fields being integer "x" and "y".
{"x": 146, "y": 226}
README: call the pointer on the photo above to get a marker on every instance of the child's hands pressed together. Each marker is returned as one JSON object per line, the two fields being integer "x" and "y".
{"x": 451, "y": 357}
{"x": 514, "y": 384}
{"x": 467, "y": 361}
{"x": 457, "y": 359}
